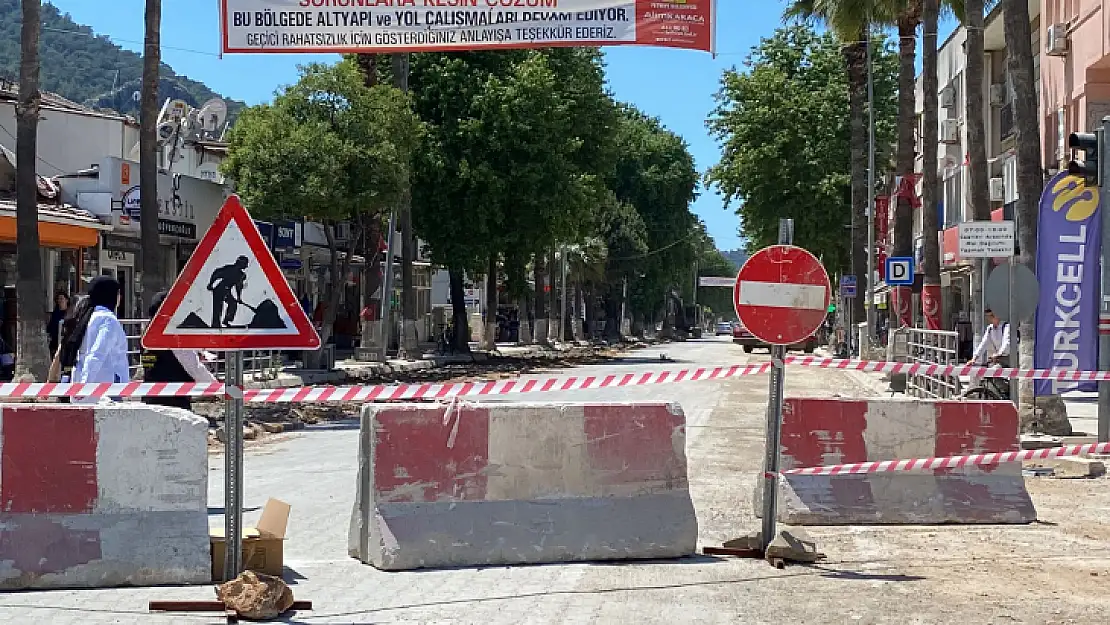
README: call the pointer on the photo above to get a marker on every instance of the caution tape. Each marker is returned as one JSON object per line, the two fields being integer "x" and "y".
{"x": 450, "y": 390}
{"x": 993, "y": 371}
{"x": 374, "y": 392}
{"x": 951, "y": 462}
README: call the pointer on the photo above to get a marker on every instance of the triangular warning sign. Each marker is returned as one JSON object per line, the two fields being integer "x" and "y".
{"x": 231, "y": 295}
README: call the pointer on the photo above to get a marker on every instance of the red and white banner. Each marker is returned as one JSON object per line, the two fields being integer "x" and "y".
{"x": 384, "y": 26}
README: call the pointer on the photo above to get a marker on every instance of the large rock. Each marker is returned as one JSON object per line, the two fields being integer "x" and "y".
{"x": 1048, "y": 415}
{"x": 256, "y": 596}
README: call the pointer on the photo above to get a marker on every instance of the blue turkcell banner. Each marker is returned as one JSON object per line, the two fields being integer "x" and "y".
{"x": 1068, "y": 239}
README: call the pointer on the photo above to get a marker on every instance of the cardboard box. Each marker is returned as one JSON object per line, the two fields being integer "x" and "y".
{"x": 263, "y": 544}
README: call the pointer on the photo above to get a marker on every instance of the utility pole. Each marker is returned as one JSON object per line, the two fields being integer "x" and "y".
{"x": 1095, "y": 169}
{"x": 869, "y": 295}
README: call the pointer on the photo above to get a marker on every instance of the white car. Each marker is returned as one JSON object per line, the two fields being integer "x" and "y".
{"x": 724, "y": 328}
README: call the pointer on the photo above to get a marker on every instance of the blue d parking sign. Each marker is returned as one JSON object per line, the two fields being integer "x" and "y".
{"x": 899, "y": 271}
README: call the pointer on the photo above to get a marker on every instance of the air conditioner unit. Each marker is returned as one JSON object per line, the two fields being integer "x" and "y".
{"x": 950, "y": 131}
{"x": 1057, "y": 40}
{"x": 947, "y": 97}
{"x": 998, "y": 190}
{"x": 998, "y": 95}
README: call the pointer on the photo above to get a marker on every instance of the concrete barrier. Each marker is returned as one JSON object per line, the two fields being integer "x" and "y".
{"x": 472, "y": 484}
{"x": 822, "y": 432}
{"x": 104, "y": 495}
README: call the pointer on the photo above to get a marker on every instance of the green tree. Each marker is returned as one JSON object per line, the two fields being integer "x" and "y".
{"x": 655, "y": 174}
{"x": 330, "y": 150}
{"x": 787, "y": 144}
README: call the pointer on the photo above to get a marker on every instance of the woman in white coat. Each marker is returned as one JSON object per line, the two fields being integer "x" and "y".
{"x": 99, "y": 339}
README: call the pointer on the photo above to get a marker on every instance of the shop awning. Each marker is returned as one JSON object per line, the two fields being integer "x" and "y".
{"x": 59, "y": 226}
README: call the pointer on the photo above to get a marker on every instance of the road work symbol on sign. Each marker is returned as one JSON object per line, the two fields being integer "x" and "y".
{"x": 231, "y": 295}
{"x": 782, "y": 294}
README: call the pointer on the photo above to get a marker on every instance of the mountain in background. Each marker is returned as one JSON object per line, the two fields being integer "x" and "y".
{"x": 89, "y": 69}
{"x": 736, "y": 257}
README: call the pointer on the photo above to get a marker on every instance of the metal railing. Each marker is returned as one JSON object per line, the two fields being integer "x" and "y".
{"x": 935, "y": 347}
{"x": 257, "y": 364}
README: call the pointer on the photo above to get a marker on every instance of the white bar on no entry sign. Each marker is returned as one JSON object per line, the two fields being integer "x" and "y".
{"x": 775, "y": 295}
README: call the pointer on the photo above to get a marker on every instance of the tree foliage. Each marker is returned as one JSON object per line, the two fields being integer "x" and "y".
{"x": 784, "y": 133}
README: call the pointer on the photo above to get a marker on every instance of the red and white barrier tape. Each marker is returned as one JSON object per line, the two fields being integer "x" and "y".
{"x": 379, "y": 392}
{"x": 502, "y": 387}
{"x": 19, "y": 390}
{"x": 952, "y": 462}
{"x": 397, "y": 392}
{"x": 951, "y": 370}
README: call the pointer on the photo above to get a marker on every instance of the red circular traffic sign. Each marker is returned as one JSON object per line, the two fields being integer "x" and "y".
{"x": 782, "y": 294}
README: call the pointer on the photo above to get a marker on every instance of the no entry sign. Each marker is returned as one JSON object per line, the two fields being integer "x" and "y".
{"x": 782, "y": 294}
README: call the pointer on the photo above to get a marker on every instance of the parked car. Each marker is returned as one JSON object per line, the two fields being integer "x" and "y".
{"x": 749, "y": 342}
{"x": 724, "y": 328}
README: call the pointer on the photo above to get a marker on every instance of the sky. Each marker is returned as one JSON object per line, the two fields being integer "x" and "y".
{"x": 676, "y": 86}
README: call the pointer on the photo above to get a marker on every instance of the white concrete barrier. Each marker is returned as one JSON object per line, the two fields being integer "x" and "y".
{"x": 104, "y": 495}
{"x": 474, "y": 484}
{"x": 822, "y": 432}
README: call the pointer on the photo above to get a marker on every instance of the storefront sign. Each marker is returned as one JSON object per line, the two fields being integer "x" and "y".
{"x": 178, "y": 229}
{"x": 1068, "y": 240}
{"x": 287, "y": 235}
{"x": 117, "y": 243}
{"x": 266, "y": 229}
{"x": 113, "y": 256}
{"x": 381, "y": 26}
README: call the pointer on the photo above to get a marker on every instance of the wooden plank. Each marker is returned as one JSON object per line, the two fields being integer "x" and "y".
{"x": 732, "y": 551}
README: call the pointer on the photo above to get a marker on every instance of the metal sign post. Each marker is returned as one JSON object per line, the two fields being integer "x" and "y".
{"x": 231, "y": 296}
{"x": 233, "y": 467}
{"x": 774, "y": 420}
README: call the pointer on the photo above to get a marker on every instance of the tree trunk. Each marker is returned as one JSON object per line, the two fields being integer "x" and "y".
{"x": 1030, "y": 177}
{"x": 903, "y": 208}
{"x": 152, "y": 256}
{"x": 930, "y": 294}
{"x": 32, "y": 357}
{"x": 409, "y": 343}
{"x": 459, "y": 318}
{"x": 855, "y": 56}
{"x": 613, "y": 314}
{"x": 591, "y": 312}
{"x": 555, "y": 315}
{"x": 337, "y": 272}
{"x": 978, "y": 191}
{"x": 368, "y": 64}
{"x": 576, "y": 312}
{"x": 489, "y": 334}
{"x": 539, "y": 276}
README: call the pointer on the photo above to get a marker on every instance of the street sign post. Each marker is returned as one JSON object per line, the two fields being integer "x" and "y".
{"x": 848, "y": 286}
{"x": 782, "y": 295}
{"x": 899, "y": 271}
{"x": 232, "y": 296}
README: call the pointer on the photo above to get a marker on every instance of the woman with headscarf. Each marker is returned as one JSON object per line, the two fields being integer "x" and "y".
{"x": 57, "y": 317}
{"x": 172, "y": 365}
{"x": 99, "y": 340}
{"x": 61, "y": 369}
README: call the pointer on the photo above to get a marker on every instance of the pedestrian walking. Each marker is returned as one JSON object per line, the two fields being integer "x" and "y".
{"x": 57, "y": 316}
{"x": 98, "y": 338}
{"x": 172, "y": 365}
{"x": 61, "y": 369}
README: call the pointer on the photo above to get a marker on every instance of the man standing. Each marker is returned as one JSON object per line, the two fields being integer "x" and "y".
{"x": 229, "y": 277}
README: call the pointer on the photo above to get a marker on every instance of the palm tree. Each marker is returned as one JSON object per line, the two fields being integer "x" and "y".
{"x": 930, "y": 294}
{"x": 31, "y": 345}
{"x": 850, "y": 21}
{"x": 151, "y": 257}
{"x": 1027, "y": 140}
{"x": 978, "y": 191}
{"x": 908, "y": 15}
{"x": 539, "y": 276}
